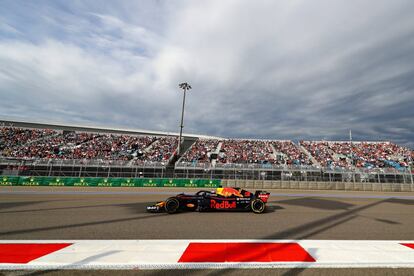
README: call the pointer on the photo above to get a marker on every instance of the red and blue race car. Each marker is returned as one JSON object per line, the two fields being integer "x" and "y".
{"x": 222, "y": 199}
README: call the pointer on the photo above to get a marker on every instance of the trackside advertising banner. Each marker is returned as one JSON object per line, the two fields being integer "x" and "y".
{"x": 107, "y": 182}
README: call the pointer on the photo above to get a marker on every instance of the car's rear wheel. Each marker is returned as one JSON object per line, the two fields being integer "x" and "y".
{"x": 171, "y": 205}
{"x": 258, "y": 206}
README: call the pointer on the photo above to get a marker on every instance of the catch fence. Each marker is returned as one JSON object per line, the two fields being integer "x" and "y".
{"x": 127, "y": 169}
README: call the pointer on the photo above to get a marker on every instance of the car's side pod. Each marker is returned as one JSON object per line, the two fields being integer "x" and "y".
{"x": 263, "y": 195}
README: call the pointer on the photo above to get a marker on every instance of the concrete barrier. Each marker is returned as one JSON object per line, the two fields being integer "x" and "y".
{"x": 258, "y": 184}
{"x": 267, "y": 185}
{"x": 276, "y": 184}
{"x": 285, "y": 185}
{"x": 303, "y": 185}
{"x": 386, "y": 187}
{"x": 294, "y": 185}
{"x": 376, "y": 187}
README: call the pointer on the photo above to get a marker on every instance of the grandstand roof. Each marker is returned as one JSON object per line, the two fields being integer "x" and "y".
{"x": 96, "y": 128}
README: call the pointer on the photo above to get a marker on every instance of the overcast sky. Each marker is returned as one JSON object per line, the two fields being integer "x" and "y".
{"x": 293, "y": 69}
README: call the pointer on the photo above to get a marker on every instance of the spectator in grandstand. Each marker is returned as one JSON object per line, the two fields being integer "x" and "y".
{"x": 246, "y": 151}
{"x": 200, "y": 151}
{"x": 290, "y": 154}
{"x": 160, "y": 151}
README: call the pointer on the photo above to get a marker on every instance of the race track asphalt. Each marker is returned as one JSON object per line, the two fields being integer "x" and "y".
{"x": 119, "y": 213}
{"x": 112, "y": 213}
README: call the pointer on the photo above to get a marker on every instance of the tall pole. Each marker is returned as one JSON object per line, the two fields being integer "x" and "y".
{"x": 352, "y": 153}
{"x": 352, "y": 157}
{"x": 185, "y": 87}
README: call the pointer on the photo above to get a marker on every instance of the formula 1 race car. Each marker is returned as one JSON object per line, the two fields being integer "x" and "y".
{"x": 223, "y": 199}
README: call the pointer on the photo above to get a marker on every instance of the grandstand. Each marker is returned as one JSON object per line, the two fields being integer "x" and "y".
{"x": 59, "y": 150}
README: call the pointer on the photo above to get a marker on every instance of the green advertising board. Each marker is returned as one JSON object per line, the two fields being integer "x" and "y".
{"x": 171, "y": 182}
{"x": 55, "y": 181}
{"x": 150, "y": 182}
{"x": 130, "y": 182}
{"x": 208, "y": 183}
{"x": 190, "y": 183}
{"x": 107, "y": 182}
{"x": 31, "y": 181}
{"x": 87, "y": 182}
{"x": 9, "y": 180}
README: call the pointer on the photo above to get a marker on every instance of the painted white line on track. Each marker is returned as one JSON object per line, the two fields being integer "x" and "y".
{"x": 168, "y": 254}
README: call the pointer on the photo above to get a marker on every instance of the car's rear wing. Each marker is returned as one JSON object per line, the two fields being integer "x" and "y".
{"x": 263, "y": 195}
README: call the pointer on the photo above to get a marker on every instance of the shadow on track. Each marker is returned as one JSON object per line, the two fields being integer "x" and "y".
{"x": 309, "y": 229}
{"x": 318, "y": 203}
{"x": 59, "y": 227}
{"x": 8, "y": 205}
{"x": 400, "y": 201}
{"x": 134, "y": 207}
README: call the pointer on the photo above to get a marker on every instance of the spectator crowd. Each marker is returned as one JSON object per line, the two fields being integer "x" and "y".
{"x": 160, "y": 151}
{"x": 290, "y": 154}
{"x": 200, "y": 151}
{"x": 246, "y": 151}
{"x": 27, "y": 143}
{"x": 12, "y": 136}
{"x": 359, "y": 154}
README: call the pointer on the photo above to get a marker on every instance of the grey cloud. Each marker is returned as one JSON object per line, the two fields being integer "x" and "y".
{"x": 259, "y": 69}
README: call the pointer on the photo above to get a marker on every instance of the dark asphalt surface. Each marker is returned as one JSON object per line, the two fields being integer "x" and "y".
{"x": 50, "y": 213}
{"x": 123, "y": 216}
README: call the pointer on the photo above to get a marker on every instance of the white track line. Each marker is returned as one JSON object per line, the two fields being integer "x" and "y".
{"x": 164, "y": 254}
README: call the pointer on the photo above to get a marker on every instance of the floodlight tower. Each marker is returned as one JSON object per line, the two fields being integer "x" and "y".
{"x": 185, "y": 87}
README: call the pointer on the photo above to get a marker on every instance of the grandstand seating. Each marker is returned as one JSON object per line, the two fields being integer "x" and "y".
{"x": 160, "y": 151}
{"x": 12, "y": 136}
{"x": 289, "y": 154}
{"x": 200, "y": 151}
{"x": 26, "y": 143}
{"x": 246, "y": 151}
{"x": 359, "y": 154}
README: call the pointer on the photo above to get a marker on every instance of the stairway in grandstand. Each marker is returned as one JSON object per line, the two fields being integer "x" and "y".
{"x": 303, "y": 149}
{"x": 186, "y": 144}
{"x": 274, "y": 152}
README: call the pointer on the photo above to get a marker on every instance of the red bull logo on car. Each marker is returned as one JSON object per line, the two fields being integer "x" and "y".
{"x": 222, "y": 205}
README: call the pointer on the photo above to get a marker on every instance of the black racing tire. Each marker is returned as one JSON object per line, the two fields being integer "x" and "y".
{"x": 258, "y": 206}
{"x": 171, "y": 205}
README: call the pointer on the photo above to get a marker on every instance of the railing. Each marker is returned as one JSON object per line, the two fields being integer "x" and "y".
{"x": 195, "y": 165}
{"x": 81, "y": 162}
{"x": 245, "y": 166}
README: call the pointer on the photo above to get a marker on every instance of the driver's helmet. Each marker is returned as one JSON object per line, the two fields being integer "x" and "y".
{"x": 227, "y": 192}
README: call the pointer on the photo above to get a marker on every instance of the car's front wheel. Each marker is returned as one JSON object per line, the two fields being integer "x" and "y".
{"x": 171, "y": 205}
{"x": 258, "y": 206}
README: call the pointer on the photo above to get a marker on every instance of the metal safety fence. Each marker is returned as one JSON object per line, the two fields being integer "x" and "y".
{"x": 70, "y": 168}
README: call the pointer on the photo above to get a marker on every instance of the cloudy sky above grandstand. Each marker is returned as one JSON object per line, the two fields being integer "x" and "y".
{"x": 292, "y": 69}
